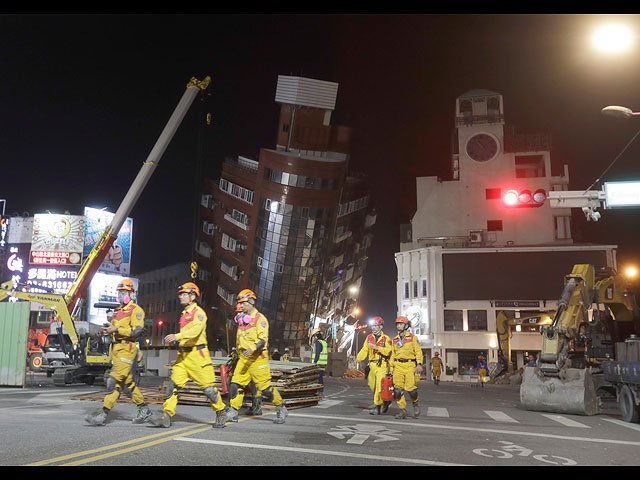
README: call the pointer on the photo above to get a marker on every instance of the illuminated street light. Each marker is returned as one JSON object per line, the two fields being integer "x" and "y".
{"x": 353, "y": 290}
{"x": 631, "y": 272}
{"x": 620, "y": 112}
{"x": 613, "y": 38}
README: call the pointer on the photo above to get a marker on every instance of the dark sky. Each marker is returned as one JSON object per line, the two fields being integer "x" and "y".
{"x": 83, "y": 98}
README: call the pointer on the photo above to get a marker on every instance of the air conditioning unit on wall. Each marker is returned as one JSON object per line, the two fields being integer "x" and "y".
{"x": 475, "y": 236}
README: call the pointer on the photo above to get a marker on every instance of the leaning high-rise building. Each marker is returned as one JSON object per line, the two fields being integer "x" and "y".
{"x": 292, "y": 225}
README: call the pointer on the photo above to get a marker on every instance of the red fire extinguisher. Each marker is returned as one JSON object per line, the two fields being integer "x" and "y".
{"x": 224, "y": 374}
{"x": 386, "y": 392}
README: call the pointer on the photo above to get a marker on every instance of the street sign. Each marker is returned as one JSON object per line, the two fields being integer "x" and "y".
{"x": 622, "y": 194}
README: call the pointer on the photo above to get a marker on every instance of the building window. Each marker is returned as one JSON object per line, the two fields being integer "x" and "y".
{"x": 494, "y": 225}
{"x": 477, "y": 320}
{"x": 468, "y": 360}
{"x": 415, "y": 289}
{"x": 406, "y": 290}
{"x": 562, "y": 225}
{"x": 529, "y": 166}
{"x": 453, "y": 320}
{"x": 424, "y": 287}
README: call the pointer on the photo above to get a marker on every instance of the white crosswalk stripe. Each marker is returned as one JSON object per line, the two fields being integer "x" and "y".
{"x": 437, "y": 412}
{"x": 500, "y": 416}
{"x": 565, "y": 421}
{"x": 327, "y": 403}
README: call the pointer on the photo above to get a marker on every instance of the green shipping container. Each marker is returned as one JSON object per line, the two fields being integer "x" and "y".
{"x": 14, "y": 333}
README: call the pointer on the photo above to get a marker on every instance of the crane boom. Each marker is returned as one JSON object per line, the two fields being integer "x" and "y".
{"x": 110, "y": 234}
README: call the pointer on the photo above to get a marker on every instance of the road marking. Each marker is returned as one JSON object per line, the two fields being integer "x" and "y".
{"x": 499, "y": 416}
{"x": 327, "y": 403}
{"x": 184, "y": 430}
{"x": 330, "y": 453}
{"x": 567, "y": 422}
{"x": 362, "y": 432}
{"x": 437, "y": 412}
{"x": 633, "y": 426}
{"x": 398, "y": 423}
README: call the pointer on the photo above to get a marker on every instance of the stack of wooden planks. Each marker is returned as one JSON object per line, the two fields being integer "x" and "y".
{"x": 297, "y": 383}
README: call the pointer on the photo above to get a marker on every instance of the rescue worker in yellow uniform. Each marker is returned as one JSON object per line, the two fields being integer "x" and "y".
{"x": 406, "y": 364}
{"x": 436, "y": 368}
{"x": 126, "y": 326}
{"x": 376, "y": 348}
{"x": 253, "y": 362}
{"x": 193, "y": 362}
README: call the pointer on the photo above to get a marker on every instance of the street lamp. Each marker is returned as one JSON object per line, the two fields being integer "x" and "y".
{"x": 620, "y": 112}
{"x": 631, "y": 272}
{"x": 613, "y": 38}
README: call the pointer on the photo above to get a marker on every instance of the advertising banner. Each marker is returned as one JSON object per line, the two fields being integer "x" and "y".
{"x": 57, "y": 239}
{"x": 118, "y": 260}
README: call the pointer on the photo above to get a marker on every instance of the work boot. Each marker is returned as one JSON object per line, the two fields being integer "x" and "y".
{"x": 281, "y": 414}
{"x": 416, "y": 410}
{"x": 402, "y": 414}
{"x": 256, "y": 406}
{"x": 232, "y": 415}
{"x": 160, "y": 420}
{"x": 98, "y": 418}
{"x": 375, "y": 410}
{"x": 221, "y": 419}
{"x": 385, "y": 407}
{"x": 144, "y": 413}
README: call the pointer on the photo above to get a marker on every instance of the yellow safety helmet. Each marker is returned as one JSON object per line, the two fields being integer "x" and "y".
{"x": 126, "y": 284}
{"x": 189, "y": 287}
{"x": 246, "y": 295}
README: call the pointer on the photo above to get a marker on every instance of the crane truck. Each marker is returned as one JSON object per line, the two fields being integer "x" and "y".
{"x": 594, "y": 312}
{"x": 90, "y": 354}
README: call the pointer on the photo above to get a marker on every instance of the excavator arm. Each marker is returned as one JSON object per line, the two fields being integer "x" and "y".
{"x": 54, "y": 301}
{"x": 504, "y": 331}
{"x": 565, "y": 378}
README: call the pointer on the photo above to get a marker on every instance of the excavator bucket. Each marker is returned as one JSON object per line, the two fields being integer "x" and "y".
{"x": 575, "y": 394}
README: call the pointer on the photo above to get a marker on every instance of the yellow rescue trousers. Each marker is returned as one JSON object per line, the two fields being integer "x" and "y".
{"x": 404, "y": 378}
{"x": 196, "y": 365}
{"x": 123, "y": 358}
{"x": 376, "y": 374}
{"x": 256, "y": 369}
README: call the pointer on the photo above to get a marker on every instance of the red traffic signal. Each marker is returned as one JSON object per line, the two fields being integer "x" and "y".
{"x": 524, "y": 198}
{"x": 159, "y": 323}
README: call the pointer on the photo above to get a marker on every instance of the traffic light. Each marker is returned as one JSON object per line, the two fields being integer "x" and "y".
{"x": 524, "y": 198}
{"x": 159, "y": 323}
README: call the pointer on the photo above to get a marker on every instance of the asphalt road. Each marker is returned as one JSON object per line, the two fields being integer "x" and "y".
{"x": 459, "y": 425}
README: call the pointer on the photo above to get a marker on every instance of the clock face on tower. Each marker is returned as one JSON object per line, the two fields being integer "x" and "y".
{"x": 482, "y": 147}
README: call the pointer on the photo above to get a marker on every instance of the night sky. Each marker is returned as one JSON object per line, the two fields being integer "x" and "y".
{"x": 83, "y": 99}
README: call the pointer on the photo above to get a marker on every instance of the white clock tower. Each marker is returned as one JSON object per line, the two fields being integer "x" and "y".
{"x": 480, "y": 135}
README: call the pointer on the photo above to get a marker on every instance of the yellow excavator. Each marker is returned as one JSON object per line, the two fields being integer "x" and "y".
{"x": 504, "y": 330}
{"x": 595, "y": 311}
{"x": 90, "y": 355}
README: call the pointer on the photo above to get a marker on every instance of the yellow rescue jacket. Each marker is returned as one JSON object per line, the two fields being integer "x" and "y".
{"x": 378, "y": 354}
{"x": 254, "y": 335}
{"x": 193, "y": 326}
{"x": 406, "y": 350}
{"x": 129, "y": 322}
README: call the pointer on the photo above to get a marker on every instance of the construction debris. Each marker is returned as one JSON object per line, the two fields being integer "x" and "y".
{"x": 353, "y": 374}
{"x": 297, "y": 383}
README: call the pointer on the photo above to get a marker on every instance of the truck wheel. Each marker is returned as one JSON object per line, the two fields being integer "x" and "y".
{"x": 627, "y": 404}
{"x": 35, "y": 362}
